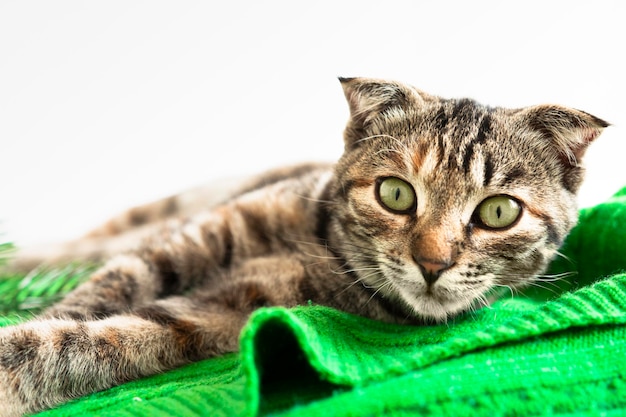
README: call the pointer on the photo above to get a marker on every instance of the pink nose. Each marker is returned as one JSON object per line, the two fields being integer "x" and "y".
{"x": 431, "y": 270}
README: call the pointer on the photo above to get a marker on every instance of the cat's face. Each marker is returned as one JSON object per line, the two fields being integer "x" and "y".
{"x": 443, "y": 201}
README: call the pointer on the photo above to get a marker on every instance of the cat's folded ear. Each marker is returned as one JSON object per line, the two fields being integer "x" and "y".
{"x": 566, "y": 132}
{"x": 371, "y": 100}
{"x": 569, "y": 131}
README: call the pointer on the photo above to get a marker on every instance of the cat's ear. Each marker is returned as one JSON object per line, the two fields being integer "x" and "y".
{"x": 370, "y": 99}
{"x": 566, "y": 131}
{"x": 569, "y": 131}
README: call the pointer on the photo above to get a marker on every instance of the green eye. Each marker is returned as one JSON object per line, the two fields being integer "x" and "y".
{"x": 396, "y": 195}
{"x": 498, "y": 212}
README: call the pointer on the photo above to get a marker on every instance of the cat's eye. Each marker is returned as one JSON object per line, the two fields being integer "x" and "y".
{"x": 396, "y": 195}
{"x": 498, "y": 212}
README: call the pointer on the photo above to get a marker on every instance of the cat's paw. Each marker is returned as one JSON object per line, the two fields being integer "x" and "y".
{"x": 10, "y": 406}
{"x": 11, "y": 402}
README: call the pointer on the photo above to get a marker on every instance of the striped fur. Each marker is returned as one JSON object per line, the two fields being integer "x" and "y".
{"x": 312, "y": 233}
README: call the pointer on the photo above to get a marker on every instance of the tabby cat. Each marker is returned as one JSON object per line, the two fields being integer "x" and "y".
{"x": 435, "y": 205}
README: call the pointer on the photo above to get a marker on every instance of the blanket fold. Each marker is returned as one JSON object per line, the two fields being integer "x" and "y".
{"x": 353, "y": 352}
{"x": 521, "y": 356}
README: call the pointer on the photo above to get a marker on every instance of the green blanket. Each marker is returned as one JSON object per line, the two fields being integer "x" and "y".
{"x": 558, "y": 351}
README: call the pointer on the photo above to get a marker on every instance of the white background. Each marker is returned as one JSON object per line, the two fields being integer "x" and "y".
{"x": 107, "y": 104}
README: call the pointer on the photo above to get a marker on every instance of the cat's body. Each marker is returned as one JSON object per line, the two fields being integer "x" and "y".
{"x": 433, "y": 206}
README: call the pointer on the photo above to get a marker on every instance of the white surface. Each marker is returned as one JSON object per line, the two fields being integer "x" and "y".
{"x": 104, "y": 105}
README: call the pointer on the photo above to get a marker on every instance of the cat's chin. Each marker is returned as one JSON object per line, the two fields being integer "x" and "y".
{"x": 430, "y": 307}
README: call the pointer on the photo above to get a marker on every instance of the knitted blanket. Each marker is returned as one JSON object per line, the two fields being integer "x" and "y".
{"x": 558, "y": 351}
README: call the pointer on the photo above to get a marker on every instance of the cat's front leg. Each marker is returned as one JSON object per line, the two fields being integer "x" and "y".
{"x": 42, "y": 366}
{"x": 46, "y": 362}
{"x": 123, "y": 282}
{"x": 171, "y": 262}
{"x": 15, "y": 351}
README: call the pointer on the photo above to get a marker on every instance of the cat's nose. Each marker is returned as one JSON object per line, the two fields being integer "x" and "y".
{"x": 431, "y": 270}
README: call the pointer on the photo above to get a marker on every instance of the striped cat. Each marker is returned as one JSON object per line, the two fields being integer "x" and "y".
{"x": 435, "y": 205}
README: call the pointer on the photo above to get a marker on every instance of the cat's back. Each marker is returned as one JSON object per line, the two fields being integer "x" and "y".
{"x": 128, "y": 230}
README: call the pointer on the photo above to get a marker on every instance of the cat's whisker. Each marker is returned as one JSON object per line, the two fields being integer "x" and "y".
{"x": 350, "y": 268}
{"x": 390, "y": 150}
{"x": 353, "y": 270}
{"x": 379, "y": 288}
{"x": 324, "y": 248}
{"x": 549, "y": 286}
{"x": 482, "y": 301}
{"x": 542, "y": 282}
{"x": 317, "y": 256}
{"x": 556, "y": 277}
{"x": 512, "y": 290}
{"x": 363, "y": 249}
{"x": 361, "y": 280}
{"x": 316, "y": 200}
{"x": 563, "y": 256}
{"x": 369, "y": 270}
{"x": 365, "y": 139}
{"x": 357, "y": 260}
{"x": 301, "y": 240}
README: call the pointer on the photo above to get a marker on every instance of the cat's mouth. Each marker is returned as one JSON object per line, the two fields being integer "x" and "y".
{"x": 436, "y": 302}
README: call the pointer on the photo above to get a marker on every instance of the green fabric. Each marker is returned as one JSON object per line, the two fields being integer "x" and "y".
{"x": 552, "y": 353}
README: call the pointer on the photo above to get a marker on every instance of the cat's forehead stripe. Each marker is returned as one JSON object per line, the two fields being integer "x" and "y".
{"x": 479, "y": 139}
{"x": 463, "y": 109}
{"x": 459, "y": 142}
{"x": 488, "y": 172}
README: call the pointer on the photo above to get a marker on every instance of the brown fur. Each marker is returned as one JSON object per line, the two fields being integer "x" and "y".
{"x": 317, "y": 234}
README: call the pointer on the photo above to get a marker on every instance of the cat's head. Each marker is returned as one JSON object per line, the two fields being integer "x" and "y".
{"x": 442, "y": 201}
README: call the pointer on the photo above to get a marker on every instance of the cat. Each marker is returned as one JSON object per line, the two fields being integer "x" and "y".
{"x": 435, "y": 205}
